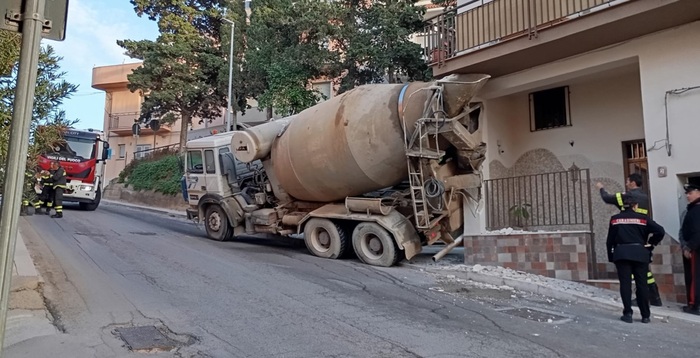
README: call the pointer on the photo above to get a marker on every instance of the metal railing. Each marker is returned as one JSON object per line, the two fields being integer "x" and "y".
{"x": 150, "y": 152}
{"x": 481, "y": 23}
{"x": 560, "y": 200}
{"x": 122, "y": 120}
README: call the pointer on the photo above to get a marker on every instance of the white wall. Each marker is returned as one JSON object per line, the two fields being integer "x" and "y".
{"x": 667, "y": 60}
{"x": 605, "y": 110}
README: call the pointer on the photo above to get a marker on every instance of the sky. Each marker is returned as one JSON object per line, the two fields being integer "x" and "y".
{"x": 92, "y": 31}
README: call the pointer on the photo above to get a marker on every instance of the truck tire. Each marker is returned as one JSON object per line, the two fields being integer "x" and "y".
{"x": 374, "y": 245}
{"x": 94, "y": 204}
{"x": 216, "y": 223}
{"x": 325, "y": 239}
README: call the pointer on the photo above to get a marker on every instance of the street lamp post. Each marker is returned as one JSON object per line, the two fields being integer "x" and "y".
{"x": 229, "y": 109}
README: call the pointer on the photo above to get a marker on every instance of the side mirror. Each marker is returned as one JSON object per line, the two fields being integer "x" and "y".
{"x": 106, "y": 151}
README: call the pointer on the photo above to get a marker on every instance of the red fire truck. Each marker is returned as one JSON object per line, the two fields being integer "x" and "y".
{"x": 83, "y": 155}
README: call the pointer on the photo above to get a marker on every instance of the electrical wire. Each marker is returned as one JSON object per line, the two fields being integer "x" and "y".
{"x": 676, "y": 91}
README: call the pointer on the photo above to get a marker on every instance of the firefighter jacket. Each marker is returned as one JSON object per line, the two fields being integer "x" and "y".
{"x": 627, "y": 235}
{"x": 616, "y": 199}
{"x": 58, "y": 178}
{"x": 690, "y": 228}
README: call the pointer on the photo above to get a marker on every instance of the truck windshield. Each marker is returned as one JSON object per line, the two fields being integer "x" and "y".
{"x": 76, "y": 148}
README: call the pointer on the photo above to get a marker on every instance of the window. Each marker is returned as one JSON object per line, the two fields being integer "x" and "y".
{"x": 550, "y": 109}
{"x": 324, "y": 88}
{"x": 122, "y": 151}
{"x": 209, "y": 159}
{"x": 194, "y": 162}
{"x": 142, "y": 151}
{"x": 76, "y": 148}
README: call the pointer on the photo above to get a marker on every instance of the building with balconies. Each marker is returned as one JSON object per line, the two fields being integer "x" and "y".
{"x": 581, "y": 91}
{"x": 123, "y": 109}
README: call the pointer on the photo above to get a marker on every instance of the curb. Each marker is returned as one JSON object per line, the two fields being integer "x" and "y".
{"x": 146, "y": 207}
{"x": 659, "y": 313}
{"x": 25, "y": 275}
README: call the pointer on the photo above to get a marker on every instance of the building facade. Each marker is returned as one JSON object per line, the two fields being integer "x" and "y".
{"x": 122, "y": 110}
{"x": 583, "y": 92}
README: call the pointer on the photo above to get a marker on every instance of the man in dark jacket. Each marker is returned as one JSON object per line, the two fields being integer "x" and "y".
{"x": 634, "y": 184}
{"x": 690, "y": 231}
{"x": 59, "y": 181}
{"x": 628, "y": 248}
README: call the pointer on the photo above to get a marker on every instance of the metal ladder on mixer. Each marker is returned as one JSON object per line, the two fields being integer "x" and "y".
{"x": 416, "y": 150}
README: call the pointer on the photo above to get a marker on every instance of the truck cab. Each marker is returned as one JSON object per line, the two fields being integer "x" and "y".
{"x": 212, "y": 173}
{"x": 83, "y": 155}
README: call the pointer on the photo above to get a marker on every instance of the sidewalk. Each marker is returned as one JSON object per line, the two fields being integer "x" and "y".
{"x": 570, "y": 291}
{"x": 27, "y": 316}
{"x": 174, "y": 213}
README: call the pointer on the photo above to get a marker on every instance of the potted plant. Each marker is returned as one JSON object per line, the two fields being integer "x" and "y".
{"x": 520, "y": 214}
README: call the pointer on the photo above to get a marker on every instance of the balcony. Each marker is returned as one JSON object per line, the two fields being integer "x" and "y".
{"x": 499, "y": 37}
{"x": 121, "y": 123}
{"x": 112, "y": 77}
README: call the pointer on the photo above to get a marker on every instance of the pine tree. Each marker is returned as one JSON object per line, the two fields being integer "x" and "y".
{"x": 184, "y": 72}
{"x": 289, "y": 44}
{"x": 376, "y": 40}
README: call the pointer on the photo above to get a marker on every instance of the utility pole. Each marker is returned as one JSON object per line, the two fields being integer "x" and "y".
{"x": 229, "y": 109}
{"x": 32, "y": 23}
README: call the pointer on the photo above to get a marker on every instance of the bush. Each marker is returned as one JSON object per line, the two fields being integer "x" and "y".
{"x": 152, "y": 157}
{"x": 161, "y": 175}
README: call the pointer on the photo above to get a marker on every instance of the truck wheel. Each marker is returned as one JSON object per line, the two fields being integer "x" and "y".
{"x": 324, "y": 238}
{"x": 216, "y": 223}
{"x": 94, "y": 204}
{"x": 374, "y": 245}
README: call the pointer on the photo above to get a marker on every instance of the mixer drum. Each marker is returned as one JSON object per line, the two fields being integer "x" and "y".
{"x": 349, "y": 145}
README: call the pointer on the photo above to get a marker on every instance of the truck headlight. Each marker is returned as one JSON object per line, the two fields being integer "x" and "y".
{"x": 86, "y": 187}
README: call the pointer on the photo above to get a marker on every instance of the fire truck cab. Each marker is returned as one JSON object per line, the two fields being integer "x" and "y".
{"x": 83, "y": 155}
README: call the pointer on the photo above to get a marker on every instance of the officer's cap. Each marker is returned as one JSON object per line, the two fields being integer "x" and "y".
{"x": 693, "y": 184}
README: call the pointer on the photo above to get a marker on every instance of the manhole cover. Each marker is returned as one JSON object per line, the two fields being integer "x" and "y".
{"x": 146, "y": 338}
{"x": 143, "y": 233}
{"x": 537, "y": 315}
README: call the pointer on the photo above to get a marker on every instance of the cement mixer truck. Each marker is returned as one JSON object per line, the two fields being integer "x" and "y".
{"x": 382, "y": 170}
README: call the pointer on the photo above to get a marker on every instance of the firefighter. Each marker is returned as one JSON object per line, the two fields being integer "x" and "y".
{"x": 58, "y": 179}
{"x": 633, "y": 184}
{"x": 628, "y": 248}
{"x": 45, "y": 197}
{"x": 27, "y": 194}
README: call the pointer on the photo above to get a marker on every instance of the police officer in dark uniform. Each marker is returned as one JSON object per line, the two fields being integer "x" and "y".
{"x": 690, "y": 233}
{"x": 633, "y": 184}
{"x": 59, "y": 181}
{"x": 628, "y": 248}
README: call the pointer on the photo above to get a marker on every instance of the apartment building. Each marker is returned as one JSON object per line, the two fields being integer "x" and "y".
{"x": 582, "y": 91}
{"x": 123, "y": 108}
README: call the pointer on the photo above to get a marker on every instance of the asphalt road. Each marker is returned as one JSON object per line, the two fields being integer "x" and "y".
{"x": 120, "y": 267}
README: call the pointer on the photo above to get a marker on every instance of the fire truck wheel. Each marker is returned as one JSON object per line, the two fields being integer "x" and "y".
{"x": 324, "y": 238}
{"x": 374, "y": 245}
{"x": 216, "y": 223}
{"x": 95, "y": 203}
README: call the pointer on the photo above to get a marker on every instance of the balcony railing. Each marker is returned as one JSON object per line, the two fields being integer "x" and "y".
{"x": 481, "y": 23}
{"x": 559, "y": 200}
{"x": 122, "y": 120}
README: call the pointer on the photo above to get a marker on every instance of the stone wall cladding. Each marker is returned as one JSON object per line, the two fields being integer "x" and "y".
{"x": 565, "y": 255}
{"x": 558, "y": 255}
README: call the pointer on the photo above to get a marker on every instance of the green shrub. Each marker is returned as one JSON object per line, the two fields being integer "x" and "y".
{"x": 152, "y": 157}
{"x": 160, "y": 174}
